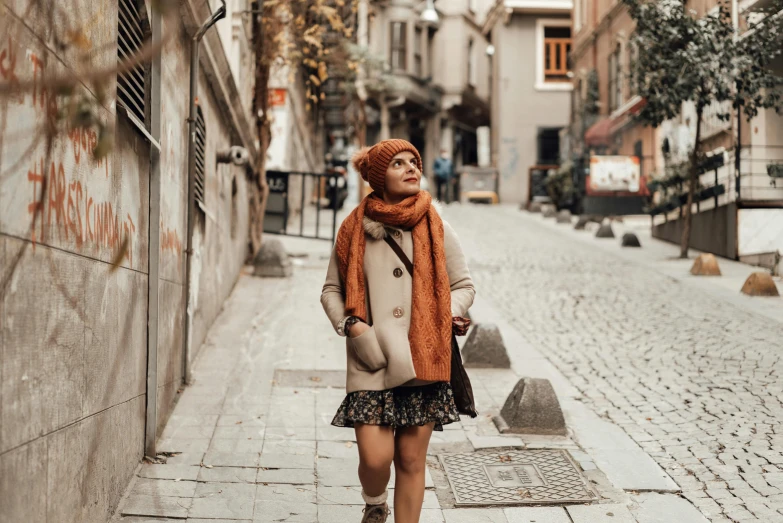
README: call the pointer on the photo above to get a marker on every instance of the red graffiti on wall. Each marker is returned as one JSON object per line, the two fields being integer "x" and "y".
{"x": 84, "y": 142}
{"x": 8, "y": 63}
{"x": 71, "y": 210}
{"x": 43, "y": 98}
{"x": 169, "y": 241}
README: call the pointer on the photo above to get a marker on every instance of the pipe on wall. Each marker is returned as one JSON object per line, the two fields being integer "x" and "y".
{"x": 153, "y": 282}
{"x": 194, "y": 69}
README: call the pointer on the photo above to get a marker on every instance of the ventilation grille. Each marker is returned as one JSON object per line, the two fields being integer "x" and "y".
{"x": 130, "y": 38}
{"x": 201, "y": 147}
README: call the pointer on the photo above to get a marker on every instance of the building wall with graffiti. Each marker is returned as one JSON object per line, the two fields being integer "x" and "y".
{"x": 75, "y": 261}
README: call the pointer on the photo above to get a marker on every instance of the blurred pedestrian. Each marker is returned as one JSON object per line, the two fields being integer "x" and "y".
{"x": 337, "y": 188}
{"x": 398, "y": 316}
{"x": 444, "y": 173}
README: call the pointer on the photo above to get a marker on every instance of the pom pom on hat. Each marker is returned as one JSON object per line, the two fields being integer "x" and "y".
{"x": 361, "y": 162}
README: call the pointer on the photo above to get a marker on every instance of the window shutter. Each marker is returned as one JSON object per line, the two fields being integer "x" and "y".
{"x": 201, "y": 146}
{"x": 131, "y": 84}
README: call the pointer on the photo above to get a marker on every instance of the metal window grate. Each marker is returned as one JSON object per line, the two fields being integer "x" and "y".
{"x": 201, "y": 147}
{"x": 130, "y": 38}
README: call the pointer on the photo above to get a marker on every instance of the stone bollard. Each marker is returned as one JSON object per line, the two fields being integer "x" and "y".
{"x": 532, "y": 408}
{"x": 760, "y": 284}
{"x": 272, "y": 260}
{"x": 549, "y": 211}
{"x": 705, "y": 265}
{"x": 484, "y": 348}
{"x": 605, "y": 231}
{"x": 630, "y": 240}
{"x": 581, "y": 223}
{"x": 534, "y": 207}
{"x": 564, "y": 216}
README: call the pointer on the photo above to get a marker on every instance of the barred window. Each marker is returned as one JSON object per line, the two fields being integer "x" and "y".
{"x": 615, "y": 79}
{"x": 201, "y": 146}
{"x": 418, "y": 60}
{"x": 131, "y": 84}
{"x": 399, "y": 47}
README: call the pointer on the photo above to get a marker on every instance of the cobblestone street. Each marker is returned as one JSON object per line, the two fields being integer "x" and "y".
{"x": 693, "y": 378}
{"x": 661, "y": 376}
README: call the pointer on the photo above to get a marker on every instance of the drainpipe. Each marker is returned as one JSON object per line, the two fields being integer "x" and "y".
{"x": 153, "y": 283}
{"x": 194, "y": 69}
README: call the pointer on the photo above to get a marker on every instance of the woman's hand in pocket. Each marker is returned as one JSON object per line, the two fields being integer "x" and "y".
{"x": 357, "y": 329}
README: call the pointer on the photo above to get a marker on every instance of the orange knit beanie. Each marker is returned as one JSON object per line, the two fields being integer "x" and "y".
{"x": 372, "y": 162}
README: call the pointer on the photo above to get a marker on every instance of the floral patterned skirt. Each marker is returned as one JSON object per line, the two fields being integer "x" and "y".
{"x": 399, "y": 407}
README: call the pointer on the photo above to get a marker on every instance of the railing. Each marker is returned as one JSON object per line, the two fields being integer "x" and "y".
{"x": 755, "y": 178}
{"x": 758, "y": 173}
{"x": 280, "y": 207}
{"x": 711, "y": 121}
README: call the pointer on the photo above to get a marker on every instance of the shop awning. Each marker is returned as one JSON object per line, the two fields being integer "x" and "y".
{"x": 599, "y": 134}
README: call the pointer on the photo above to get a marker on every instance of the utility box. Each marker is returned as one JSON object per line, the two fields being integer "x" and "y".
{"x": 478, "y": 185}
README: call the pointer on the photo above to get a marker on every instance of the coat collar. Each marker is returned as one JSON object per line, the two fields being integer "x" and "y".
{"x": 378, "y": 231}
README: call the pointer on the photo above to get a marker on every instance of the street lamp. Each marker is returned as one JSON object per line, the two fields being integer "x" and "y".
{"x": 430, "y": 15}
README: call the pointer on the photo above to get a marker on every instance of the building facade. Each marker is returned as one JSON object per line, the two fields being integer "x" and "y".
{"x": 739, "y": 218}
{"x": 743, "y": 221}
{"x": 530, "y": 91}
{"x": 461, "y": 67}
{"x": 437, "y": 93}
{"x": 93, "y": 254}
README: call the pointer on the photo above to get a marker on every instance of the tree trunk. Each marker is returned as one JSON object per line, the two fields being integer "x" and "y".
{"x": 361, "y": 124}
{"x": 685, "y": 241}
{"x": 260, "y": 191}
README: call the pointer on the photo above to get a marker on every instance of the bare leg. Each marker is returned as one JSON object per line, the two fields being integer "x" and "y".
{"x": 376, "y": 452}
{"x": 410, "y": 463}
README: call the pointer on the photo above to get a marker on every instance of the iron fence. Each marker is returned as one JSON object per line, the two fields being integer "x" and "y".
{"x": 280, "y": 210}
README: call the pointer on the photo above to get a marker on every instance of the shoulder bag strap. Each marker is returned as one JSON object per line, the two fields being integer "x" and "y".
{"x": 400, "y": 254}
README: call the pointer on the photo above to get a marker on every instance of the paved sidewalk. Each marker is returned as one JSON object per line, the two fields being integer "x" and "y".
{"x": 251, "y": 438}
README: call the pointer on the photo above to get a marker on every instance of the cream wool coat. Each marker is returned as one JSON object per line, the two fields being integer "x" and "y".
{"x": 381, "y": 358}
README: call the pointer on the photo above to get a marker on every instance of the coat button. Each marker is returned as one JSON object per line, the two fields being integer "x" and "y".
{"x": 397, "y": 234}
{"x": 398, "y": 273}
{"x": 398, "y": 312}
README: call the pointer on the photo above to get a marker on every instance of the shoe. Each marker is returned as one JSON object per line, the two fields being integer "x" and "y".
{"x": 376, "y": 513}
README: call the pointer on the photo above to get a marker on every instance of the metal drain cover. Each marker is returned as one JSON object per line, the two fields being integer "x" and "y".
{"x": 515, "y": 477}
{"x": 310, "y": 378}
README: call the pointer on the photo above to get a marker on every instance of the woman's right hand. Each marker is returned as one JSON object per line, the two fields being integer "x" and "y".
{"x": 357, "y": 329}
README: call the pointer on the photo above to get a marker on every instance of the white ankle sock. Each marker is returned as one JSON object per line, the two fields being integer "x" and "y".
{"x": 377, "y": 500}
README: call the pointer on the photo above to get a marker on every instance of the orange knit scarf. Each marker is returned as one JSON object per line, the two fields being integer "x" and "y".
{"x": 430, "y": 329}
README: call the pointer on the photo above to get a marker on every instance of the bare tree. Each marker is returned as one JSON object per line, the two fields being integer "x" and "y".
{"x": 302, "y": 36}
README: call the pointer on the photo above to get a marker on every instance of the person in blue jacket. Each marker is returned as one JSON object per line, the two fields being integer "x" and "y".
{"x": 444, "y": 173}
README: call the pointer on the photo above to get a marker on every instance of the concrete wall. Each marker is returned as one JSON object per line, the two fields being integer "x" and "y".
{"x": 519, "y": 109}
{"x": 73, "y": 332}
{"x": 759, "y": 231}
{"x": 450, "y": 56}
{"x": 712, "y": 231}
{"x": 220, "y": 243}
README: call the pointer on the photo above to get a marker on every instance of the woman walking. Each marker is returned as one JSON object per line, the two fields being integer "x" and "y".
{"x": 398, "y": 321}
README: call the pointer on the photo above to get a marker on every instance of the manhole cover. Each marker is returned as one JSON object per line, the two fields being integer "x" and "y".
{"x": 310, "y": 378}
{"x": 515, "y": 477}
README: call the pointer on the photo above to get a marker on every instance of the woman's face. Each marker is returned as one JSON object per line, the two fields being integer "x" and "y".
{"x": 403, "y": 177}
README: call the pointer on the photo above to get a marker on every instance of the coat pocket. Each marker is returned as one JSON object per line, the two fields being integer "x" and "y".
{"x": 368, "y": 350}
